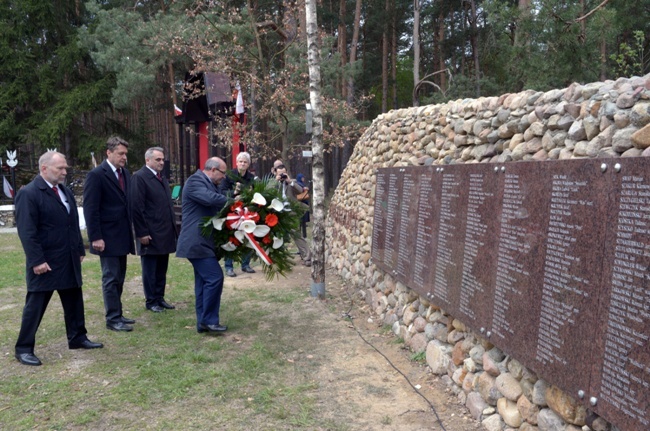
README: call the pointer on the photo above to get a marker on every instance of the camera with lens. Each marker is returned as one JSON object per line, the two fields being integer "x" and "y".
{"x": 283, "y": 177}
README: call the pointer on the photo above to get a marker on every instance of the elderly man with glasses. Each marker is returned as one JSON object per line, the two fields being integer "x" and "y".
{"x": 201, "y": 198}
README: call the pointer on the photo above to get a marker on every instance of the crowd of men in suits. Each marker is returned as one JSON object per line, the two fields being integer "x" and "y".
{"x": 124, "y": 214}
{"x": 117, "y": 207}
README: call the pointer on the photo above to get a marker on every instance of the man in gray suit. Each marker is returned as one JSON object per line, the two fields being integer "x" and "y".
{"x": 48, "y": 227}
{"x": 155, "y": 227}
{"x": 201, "y": 198}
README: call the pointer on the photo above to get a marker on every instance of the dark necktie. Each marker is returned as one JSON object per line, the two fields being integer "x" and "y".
{"x": 120, "y": 178}
{"x": 159, "y": 177}
{"x": 56, "y": 192}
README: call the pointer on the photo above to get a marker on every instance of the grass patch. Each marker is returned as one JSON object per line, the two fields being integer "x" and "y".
{"x": 163, "y": 375}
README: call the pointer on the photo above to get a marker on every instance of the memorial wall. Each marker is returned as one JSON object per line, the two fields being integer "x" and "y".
{"x": 494, "y": 232}
{"x": 549, "y": 261}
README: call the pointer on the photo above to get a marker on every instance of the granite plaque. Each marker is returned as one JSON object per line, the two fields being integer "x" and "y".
{"x": 571, "y": 271}
{"x": 393, "y": 216}
{"x": 379, "y": 219}
{"x": 550, "y": 261}
{"x": 620, "y": 384}
{"x": 427, "y": 202}
{"x": 482, "y": 212}
{"x": 519, "y": 254}
{"x": 450, "y": 236}
{"x": 407, "y": 225}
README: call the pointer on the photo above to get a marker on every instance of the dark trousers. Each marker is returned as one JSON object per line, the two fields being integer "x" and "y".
{"x": 113, "y": 274}
{"x": 208, "y": 285}
{"x": 35, "y": 306}
{"x": 154, "y": 277}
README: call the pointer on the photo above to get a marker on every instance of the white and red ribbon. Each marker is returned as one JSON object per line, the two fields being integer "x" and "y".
{"x": 243, "y": 222}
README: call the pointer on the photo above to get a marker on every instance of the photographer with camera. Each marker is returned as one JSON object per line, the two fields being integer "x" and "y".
{"x": 290, "y": 189}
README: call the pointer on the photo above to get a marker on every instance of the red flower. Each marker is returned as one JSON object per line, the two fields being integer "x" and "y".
{"x": 235, "y": 241}
{"x": 267, "y": 239}
{"x": 254, "y": 216}
{"x": 271, "y": 220}
{"x": 236, "y": 205}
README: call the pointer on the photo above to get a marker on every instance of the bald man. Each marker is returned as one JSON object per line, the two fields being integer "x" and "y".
{"x": 201, "y": 198}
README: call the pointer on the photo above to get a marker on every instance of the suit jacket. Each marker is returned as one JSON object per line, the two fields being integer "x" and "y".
{"x": 200, "y": 199}
{"x": 49, "y": 234}
{"x": 107, "y": 211}
{"x": 153, "y": 213}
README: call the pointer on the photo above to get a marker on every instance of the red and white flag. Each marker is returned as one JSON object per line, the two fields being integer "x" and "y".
{"x": 177, "y": 111}
{"x": 239, "y": 106}
{"x": 9, "y": 191}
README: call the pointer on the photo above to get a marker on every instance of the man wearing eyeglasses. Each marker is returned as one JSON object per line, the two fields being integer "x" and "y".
{"x": 201, "y": 198}
{"x": 155, "y": 227}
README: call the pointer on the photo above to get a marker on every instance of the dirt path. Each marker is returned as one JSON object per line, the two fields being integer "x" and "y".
{"x": 361, "y": 369}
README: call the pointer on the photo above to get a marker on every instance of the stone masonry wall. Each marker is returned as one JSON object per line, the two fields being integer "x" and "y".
{"x": 597, "y": 120}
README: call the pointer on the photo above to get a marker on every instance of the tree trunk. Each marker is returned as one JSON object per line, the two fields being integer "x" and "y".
{"x": 343, "y": 46}
{"x": 416, "y": 51}
{"x": 393, "y": 64}
{"x": 318, "y": 197}
{"x": 474, "y": 42}
{"x": 353, "y": 52}
{"x": 441, "y": 58}
{"x": 384, "y": 64}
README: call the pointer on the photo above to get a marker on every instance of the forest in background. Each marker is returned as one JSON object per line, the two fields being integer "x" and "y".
{"x": 73, "y": 73}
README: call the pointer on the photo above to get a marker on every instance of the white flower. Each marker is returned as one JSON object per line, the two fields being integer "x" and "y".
{"x": 247, "y": 226}
{"x": 277, "y": 204}
{"x": 229, "y": 246}
{"x": 218, "y": 222}
{"x": 261, "y": 231}
{"x": 241, "y": 236}
{"x": 258, "y": 199}
{"x": 277, "y": 242}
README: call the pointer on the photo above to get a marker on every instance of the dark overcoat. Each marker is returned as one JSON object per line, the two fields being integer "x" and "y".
{"x": 153, "y": 213}
{"x": 107, "y": 211}
{"x": 49, "y": 234}
{"x": 200, "y": 199}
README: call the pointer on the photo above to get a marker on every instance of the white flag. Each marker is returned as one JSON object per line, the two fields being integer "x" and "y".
{"x": 239, "y": 107}
{"x": 177, "y": 111}
{"x": 9, "y": 191}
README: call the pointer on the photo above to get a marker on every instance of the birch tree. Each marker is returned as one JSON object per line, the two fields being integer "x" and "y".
{"x": 318, "y": 174}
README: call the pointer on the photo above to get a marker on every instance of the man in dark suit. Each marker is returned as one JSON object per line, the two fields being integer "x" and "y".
{"x": 48, "y": 227}
{"x": 202, "y": 199}
{"x": 155, "y": 227}
{"x": 108, "y": 222}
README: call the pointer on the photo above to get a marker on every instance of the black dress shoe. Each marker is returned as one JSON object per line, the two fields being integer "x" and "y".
{"x": 127, "y": 320}
{"x": 165, "y": 304}
{"x": 230, "y": 273}
{"x": 86, "y": 344}
{"x": 156, "y": 309}
{"x": 248, "y": 269}
{"x": 119, "y": 326}
{"x": 213, "y": 328}
{"x": 28, "y": 359}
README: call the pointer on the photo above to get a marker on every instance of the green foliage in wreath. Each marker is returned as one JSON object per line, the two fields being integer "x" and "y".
{"x": 258, "y": 220}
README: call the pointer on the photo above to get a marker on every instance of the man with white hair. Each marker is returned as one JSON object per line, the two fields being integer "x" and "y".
{"x": 48, "y": 227}
{"x": 231, "y": 186}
